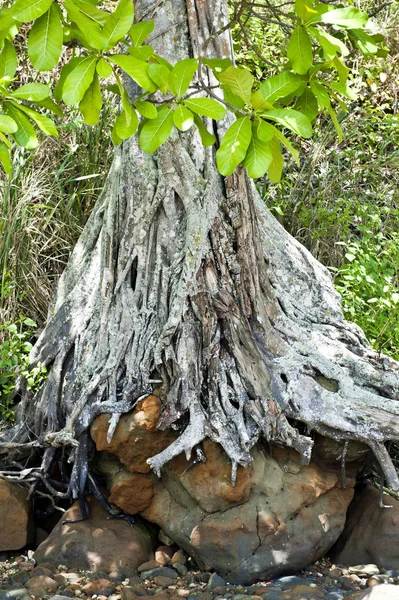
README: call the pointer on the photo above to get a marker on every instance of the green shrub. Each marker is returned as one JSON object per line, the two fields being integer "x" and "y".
{"x": 14, "y": 362}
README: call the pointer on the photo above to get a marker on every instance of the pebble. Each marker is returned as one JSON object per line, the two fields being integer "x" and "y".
{"x": 176, "y": 580}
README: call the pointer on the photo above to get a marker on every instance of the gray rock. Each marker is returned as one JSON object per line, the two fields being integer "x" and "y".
{"x": 159, "y": 572}
{"x": 16, "y": 593}
{"x": 215, "y": 581}
{"x": 290, "y": 580}
{"x": 334, "y": 596}
{"x": 58, "y": 597}
{"x": 181, "y": 569}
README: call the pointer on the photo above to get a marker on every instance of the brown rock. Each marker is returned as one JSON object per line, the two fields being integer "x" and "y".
{"x": 161, "y": 557}
{"x": 136, "y": 437}
{"x": 281, "y": 513}
{"x": 147, "y": 566}
{"x": 41, "y": 570}
{"x": 371, "y": 533}
{"x": 41, "y": 585}
{"x": 124, "y": 460}
{"x": 335, "y": 573}
{"x": 98, "y": 544}
{"x": 99, "y": 586}
{"x": 163, "y": 582}
{"x": 40, "y": 536}
{"x": 299, "y": 592}
{"x": 180, "y": 557}
{"x": 128, "y": 594}
{"x": 15, "y": 530}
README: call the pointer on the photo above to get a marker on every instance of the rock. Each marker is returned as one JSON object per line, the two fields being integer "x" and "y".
{"x": 181, "y": 569}
{"x": 371, "y": 533}
{"x": 216, "y": 581}
{"x": 364, "y": 569}
{"x": 15, "y": 593}
{"x": 161, "y": 557}
{"x": 163, "y": 582}
{"x": 148, "y": 566}
{"x": 98, "y": 544}
{"x": 280, "y": 518}
{"x": 135, "y": 439}
{"x": 180, "y": 557}
{"x": 102, "y": 587}
{"x": 385, "y": 591}
{"x": 41, "y": 585}
{"x": 159, "y": 572}
{"x": 16, "y": 529}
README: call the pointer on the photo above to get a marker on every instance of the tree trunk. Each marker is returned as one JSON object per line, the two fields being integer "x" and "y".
{"x": 183, "y": 282}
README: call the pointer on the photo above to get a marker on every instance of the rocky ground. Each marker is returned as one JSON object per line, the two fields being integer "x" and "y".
{"x": 175, "y": 578}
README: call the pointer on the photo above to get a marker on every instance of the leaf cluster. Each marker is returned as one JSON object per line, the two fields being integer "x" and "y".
{"x": 14, "y": 362}
{"x": 266, "y": 111}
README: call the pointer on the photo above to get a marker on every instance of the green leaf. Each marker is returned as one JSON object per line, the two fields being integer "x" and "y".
{"x": 258, "y": 102}
{"x": 28, "y": 10}
{"x": 156, "y": 131}
{"x": 281, "y": 137}
{"x": 349, "y": 17}
{"x": 330, "y": 44}
{"x": 265, "y": 131}
{"x": 344, "y": 90}
{"x": 119, "y": 22}
{"x": 182, "y": 74}
{"x": 207, "y": 138}
{"x": 5, "y": 159}
{"x": 91, "y": 103}
{"x": 45, "y": 40}
{"x": 293, "y": 119}
{"x": 206, "y": 107}
{"x": 50, "y": 105}
{"x": 8, "y": 61}
{"x": 66, "y": 69}
{"x": 137, "y": 69}
{"x": 146, "y": 109}
{"x": 342, "y": 70}
{"x": 160, "y": 75}
{"x": 307, "y": 104}
{"x": 79, "y": 80}
{"x": 32, "y": 91}
{"x": 91, "y": 31}
{"x": 299, "y": 50}
{"x": 140, "y": 31}
{"x": 337, "y": 126}
{"x": 277, "y": 164}
{"x": 95, "y": 14}
{"x": 234, "y": 146}
{"x": 25, "y": 135}
{"x": 6, "y": 23}
{"x": 103, "y": 68}
{"x": 7, "y": 124}
{"x": 365, "y": 42}
{"x": 321, "y": 94}
{"x": 218, "y": 65}
{"x": 280, "y": 85}
{"x": 183, "y": 118}
{"x": 142, "y": 52}
{"x": 258, "y": 157}
{"x": 304, "y": 11}
{"x": 126, "y": 124}
{"x": 237, "y": 81}
{"x": 44, "y": 123}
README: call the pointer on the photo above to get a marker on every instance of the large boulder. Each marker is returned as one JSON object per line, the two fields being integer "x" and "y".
{"x": 278, "y": 518}
{"x": 98, "y": 543}
{"x": 371, "y": 533}
{"x": 15, "y": 528}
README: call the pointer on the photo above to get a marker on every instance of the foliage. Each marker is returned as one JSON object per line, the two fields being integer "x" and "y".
{"x": 320, "y": 37}
{"x": 14, "y": 362}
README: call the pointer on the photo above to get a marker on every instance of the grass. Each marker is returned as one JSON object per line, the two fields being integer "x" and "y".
{"x": 43, "y": 210}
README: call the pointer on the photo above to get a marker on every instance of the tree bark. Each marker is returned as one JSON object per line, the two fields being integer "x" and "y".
{"x": 183, "y": 282}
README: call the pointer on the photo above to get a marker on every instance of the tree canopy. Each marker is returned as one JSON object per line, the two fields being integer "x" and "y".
{"x": 98, "y": 47}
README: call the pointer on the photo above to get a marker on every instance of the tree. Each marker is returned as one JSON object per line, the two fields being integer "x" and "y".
{"x": 183, "y": 282}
